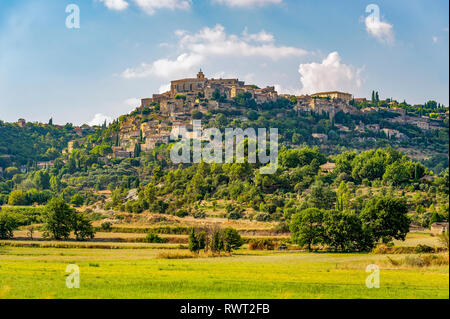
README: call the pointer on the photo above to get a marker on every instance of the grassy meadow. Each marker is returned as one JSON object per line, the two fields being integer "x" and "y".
{"x": 31, "y": 272}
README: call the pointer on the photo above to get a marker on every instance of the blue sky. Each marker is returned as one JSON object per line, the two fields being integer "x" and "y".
{"x": 125, "y": 50}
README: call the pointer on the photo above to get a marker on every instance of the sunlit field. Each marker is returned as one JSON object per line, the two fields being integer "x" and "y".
{"x": 29, "y": 272}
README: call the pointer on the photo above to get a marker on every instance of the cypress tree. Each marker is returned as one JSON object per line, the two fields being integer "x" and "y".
{"x": 193, "y": 242}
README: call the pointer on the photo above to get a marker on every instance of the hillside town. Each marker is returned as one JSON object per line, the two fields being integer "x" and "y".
{"x": 202, "y": 94}
{"x": 169, "y": 111}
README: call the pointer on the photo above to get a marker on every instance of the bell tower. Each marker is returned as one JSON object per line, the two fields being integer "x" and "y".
{"x": 200, "y": 75}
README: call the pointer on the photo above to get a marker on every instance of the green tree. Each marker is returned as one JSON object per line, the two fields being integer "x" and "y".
{"x": 42, "y": 180}
{"x": 8, "y": 223}
{"x": 202, "y": 240}
{"x": 396, "y": 173}
{"x": 196, "y": 115}
{"x": 216, "y": 242}
{"x": 221, "y": 120}
{"x": 17, "y": 198}
{"x": 306, "y": 227}
{"x": 231, "y": 239}
{"x": 82, "y": 227}
{"x": 193, "y": 242}
{"x": 77, "y": 200}
{"x": 385, "y": 218}
{"x": 322, "y": 196}
{"x": 343, "y": 197}
{"x": 58, "y": 219}
{"x": 343, "y": 231}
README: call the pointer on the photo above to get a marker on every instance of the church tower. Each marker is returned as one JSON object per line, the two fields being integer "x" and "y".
{"x": 200, "y": 75}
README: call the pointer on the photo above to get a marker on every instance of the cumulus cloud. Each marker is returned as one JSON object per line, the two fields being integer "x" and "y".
{"x": 99, "y": 119}
{"x": 329, "y": 75}
{"x": 117, "y": 5}
{"x": 150, "y": 6}
{"x": 164, "y": 88}
{"x": 216, "y": 42}
{"x": 381, "y": 30}
{"x": 211, "y": 42}
{"x": 262, "y": 36}
{"x": 247, "y": 3}
{"x": 182, "y": 65}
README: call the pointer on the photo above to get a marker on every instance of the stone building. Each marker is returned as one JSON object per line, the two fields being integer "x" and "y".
{"x": 333, "y": 95}
{"x": 21, "y": 122}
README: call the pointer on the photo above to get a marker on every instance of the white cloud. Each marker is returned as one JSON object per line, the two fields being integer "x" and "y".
{"x": 211, "y": 42}
{"x": 99, "y": 119}
{"x": 262, "y": 36}
{"x": 166, "y": 68}
{"x": 150, "y": 6}
{"x": 117, "y": 5}
{"x": 329, "y": 75}
{"x": 287, "y": 90}
{"x": 247, "y": 3}
{"x": 381, "y": 30}
{"x": 132, "y": 103}
{"x": 435, "y": 39}
{"x": 216, "y": 42}
{"x": 164, "y": 88}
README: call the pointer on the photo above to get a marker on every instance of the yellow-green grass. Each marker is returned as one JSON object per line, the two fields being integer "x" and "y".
{"x": 415, "y": 238}
{"x": 138, "y": 273}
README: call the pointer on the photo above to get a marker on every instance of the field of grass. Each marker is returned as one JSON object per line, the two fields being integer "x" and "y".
{"x": 29, "y": 272}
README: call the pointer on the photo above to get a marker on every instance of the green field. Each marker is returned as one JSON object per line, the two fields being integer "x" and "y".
{"x": 27, "y": 272}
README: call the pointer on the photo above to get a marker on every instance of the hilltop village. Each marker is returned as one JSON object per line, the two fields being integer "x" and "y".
{"x": 152, "y": 122}
{"x": 200, "y": 94}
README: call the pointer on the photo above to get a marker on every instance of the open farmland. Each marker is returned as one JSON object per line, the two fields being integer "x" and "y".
{"x": 31, "y": 272}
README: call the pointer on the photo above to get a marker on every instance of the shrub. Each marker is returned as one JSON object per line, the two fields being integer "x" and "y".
{"x": 181, "y": 213}
{"x": 423, "y": 249}
{"x": 199, "y": 215}
{"x": 413, "y": 260}
{"x": 263, "y": 217}
{"x": 106, "y": 226}
{"x": 155, "y": 239}
{"x": 443, "y": 238}
{"x": 261, "y": 244}
{"x": 176, "y": 255}
{"x": 234, "y": 215}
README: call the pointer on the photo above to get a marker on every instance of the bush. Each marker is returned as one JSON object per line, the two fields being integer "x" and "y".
{"x": 234, "y": 215}
{"x": 181, "y": 213}
{"x": 263, "y": 217}
{"x": 413, "y": 260}
{"x": 443, "y": 238}
{"x": 424, "y": 249}
{"x": 199, "y": 215}
{"x": 261, "y": 244}
{"x": 155, "y": 239}
{"x": 106, "y": 226}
